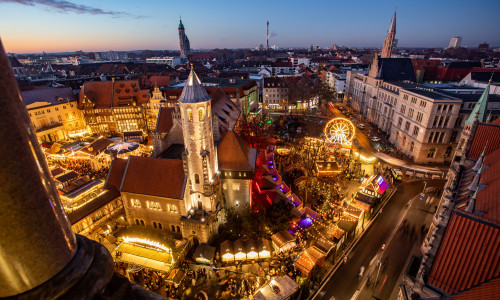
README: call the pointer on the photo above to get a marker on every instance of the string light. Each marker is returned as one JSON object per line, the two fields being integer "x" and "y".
{"x": 146, "y": 242}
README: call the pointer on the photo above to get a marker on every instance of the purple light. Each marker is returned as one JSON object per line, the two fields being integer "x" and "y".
{"x": 304, "y": 223}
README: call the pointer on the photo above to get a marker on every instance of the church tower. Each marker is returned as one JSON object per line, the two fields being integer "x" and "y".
{"x": 183, "y": 41}
{"x": 201, "y": 157}
{"x": 390, "y": 40}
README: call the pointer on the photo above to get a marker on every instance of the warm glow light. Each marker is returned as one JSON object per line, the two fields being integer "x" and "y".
{"x": 339, "y": 131}
{"x": 264, "y": 253}
{"x": 146, "y": 242}
{"x": 252, "y": 254}
{"x": 240, "y": 255}
{"x": 228, "y": 256}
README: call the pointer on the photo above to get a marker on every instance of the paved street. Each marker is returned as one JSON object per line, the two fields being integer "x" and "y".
{"x": 388, "y": 228}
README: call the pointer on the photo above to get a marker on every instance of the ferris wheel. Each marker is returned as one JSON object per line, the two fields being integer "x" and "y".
{"x": 339, "y": 131}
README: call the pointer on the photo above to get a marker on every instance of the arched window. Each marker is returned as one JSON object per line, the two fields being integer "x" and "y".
{"x": 178, "y": 229}
{"x": 154, "y": 225}
{"x": 137, "y": 222}
{"x": 173, "y": 228}
{"x": 160, "y": 226}
{"x": 448, "y": 152}
{"x": 412, "y": 144}
{"x": 190, "y": 114}
{"x": 142, "y": 223}
{"x": 196, "y": 178}
{"x": 431, "y": 153}
{"x": 200, "y": 114}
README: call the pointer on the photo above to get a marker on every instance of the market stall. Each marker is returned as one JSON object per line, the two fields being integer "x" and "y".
{"x": 279, "y": 288}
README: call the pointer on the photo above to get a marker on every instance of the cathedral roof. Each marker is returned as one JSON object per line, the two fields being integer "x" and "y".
{"x": 235, "y": 154}
{"x": 193, "y": 91}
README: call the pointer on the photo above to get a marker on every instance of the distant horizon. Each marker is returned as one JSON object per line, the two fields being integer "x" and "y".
{"x": 36, "y": 26}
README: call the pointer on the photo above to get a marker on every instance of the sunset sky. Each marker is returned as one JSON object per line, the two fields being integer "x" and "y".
{"x": 91, "y": 25}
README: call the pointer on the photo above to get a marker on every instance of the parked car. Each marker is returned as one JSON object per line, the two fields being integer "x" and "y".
{"x": 375, "y": 139}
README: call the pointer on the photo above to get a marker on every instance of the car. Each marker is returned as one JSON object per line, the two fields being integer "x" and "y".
{"x": 361, "y": 126}
{"x": 375, "y": 139}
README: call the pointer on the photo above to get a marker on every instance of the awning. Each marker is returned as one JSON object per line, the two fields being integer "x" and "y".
{"x": 152, "y": 259}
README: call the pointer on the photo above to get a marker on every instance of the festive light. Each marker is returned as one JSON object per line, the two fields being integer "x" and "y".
{"x": 146, "y": 242}
{"x": 339, "y": 131}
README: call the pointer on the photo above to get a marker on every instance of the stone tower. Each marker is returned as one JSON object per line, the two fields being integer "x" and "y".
{"x": 390, "y": 40}
{"x": 183, "y": 41}
{"x": 200, "y": 153}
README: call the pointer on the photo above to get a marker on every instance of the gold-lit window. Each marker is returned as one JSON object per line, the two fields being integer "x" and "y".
{"x": 190, "y": 115}
{"x": 200, "y": 114}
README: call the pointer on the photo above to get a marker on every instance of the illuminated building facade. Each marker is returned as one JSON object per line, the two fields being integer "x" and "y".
{"x": 53, "y": 112}
{"x": 113, "y": 106}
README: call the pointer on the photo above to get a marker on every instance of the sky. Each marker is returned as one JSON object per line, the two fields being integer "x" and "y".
{"x": 101, "y": 25}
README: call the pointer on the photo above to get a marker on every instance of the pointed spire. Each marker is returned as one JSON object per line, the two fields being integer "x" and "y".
{"x": 470, "y": 208}
{"x": 392, "y": 27}
{"x": 480, "y": 160}
{"x": 181, "y": 26}
{"x": 474, "y": 185}
{"x": 193, "y": 91}
{"x": 481, "y": 107}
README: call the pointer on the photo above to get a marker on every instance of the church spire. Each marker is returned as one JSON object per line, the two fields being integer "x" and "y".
{"x": 472, "y": 204}
{"x": 390, "y": 40}
{"x": 479, "y": 112}
{"x": 193, "y": 91}
{"x": 392, "y": 27}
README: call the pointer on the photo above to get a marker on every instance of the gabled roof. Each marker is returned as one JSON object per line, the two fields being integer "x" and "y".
{"x": 395, "y": 69}
{"x": 113, "y": 94}
{"x": 235, "y": 154}
{"x": 193, "y": 91}
{"x": 468, "y": 255}
{"x": 488, "y": 290}
{"x": 115, "y": 174}
{"x": 92, "y": 206}
{"x": 486, "y": 135}
{"x": 48, "y": 94}
{"x": 154, "y": 176}
{"x": 165, "y": 120}
{"x": 97, "y": 146}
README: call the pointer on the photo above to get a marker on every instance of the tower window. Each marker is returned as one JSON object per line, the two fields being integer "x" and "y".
{"x": 190, "y": 114}
{"x": 196, "y": 178}
{"x": 200, "y": 114}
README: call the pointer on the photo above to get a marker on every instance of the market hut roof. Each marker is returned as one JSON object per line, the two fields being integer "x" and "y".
{"x": 281, "y": 238}
{"x": 205, "y": 251}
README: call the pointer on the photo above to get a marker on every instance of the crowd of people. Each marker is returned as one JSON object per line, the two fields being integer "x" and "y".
{"x": 154, "y": 281}
{"x": 81, "y": 166}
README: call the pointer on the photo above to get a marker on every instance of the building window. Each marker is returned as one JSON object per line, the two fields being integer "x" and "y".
{"x": 172, "y": 227}
{"x": 178, "y": 229}
{"x": 190, "y": 114}
{"x": 448, "y": 152}
{"x": 137, "y": 222}
{"x": 200, "y": 114}
{"x": 59, "y": 118}
{"x": 153, "y": 205}
{"x": 403, "y": 109}
{"x": 446, "y": 120}
{"x": 135, "y": 203}
{"x": 154, "y": 225}
{"x": 407, "y": 126}
{"x": 410, "y": 113}
{"x": 458, "y": 121}
{"x": 430, "y": 137}
{"x": 160, "y": 226}
{"x": 453, "y": 136}
{"x": 431, "y": 153}
{"x": 236, "y": 186}
{"x": 404, "y": 141}
{"x": 412, "y": 145}
{"x": 196, "y": 178}
{"x": 415, "y": 131}
{"x": 419, "y": 117}
{"x": 400, "y": 121}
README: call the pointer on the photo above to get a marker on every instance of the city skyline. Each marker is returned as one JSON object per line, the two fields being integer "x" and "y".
{"x": 59, "y": 26}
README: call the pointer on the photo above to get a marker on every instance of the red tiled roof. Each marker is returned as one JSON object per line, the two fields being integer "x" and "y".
{"x": 160, "y": 81}
{"x": 106, "y": 93}
{"x": 165, "y": 121}
{"x": 485, "y": 133}
{"x": 154, "y": 176}
{"x": 115, "y": 174}
{"x": 235, "y": 154}
{"x": 486, "y": 291}
{"x": 468, "y": 256}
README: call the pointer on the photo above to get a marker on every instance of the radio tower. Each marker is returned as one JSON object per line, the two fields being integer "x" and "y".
{"x": 267, "y": 36}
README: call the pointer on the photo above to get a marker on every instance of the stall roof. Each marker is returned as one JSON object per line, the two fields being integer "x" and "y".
{"x": 284, "y": 285}
{"x": 159, "y": 256}
{"x": 324, "y": 245}
{"x": 176, "y": 276}
{"x": 67, "y": 177}
{"x": 347, "y": 225}
{"x": 263, "y": 244}
{"x": 226, "y": 247}
{"x": 281, "y": 238}
{"x": 336, "y": 232}
{"x": 82, "y": 189}
{"x": 92, "y": 206}
{"x": 204, "y": 251}
{"x": 306, "y": 262}
{"x": 57, "y": 171}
